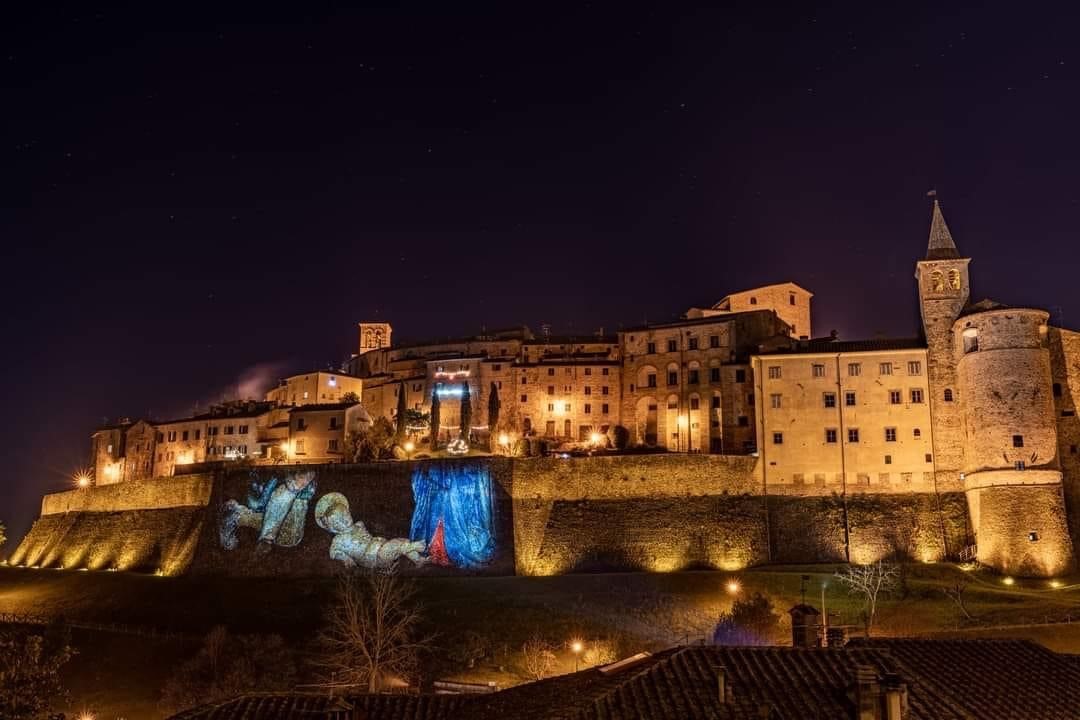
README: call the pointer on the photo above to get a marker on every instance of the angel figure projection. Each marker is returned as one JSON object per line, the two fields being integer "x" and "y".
{"x": 453, "y": 513}
{"x": 353, "y": 546}
{"x": 276, "y": 509}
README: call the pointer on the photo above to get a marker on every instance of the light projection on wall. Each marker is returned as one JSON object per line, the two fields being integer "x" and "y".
{"x": 451, "y": 525}
{"x": 276, "y": 509}
{"x": 453, "y": 513}
{"x": 353, "y": 546}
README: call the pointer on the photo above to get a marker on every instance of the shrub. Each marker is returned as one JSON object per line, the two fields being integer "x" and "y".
{"x": 751, "y": 621}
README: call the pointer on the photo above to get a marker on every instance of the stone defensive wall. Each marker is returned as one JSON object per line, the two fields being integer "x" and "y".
{"x": 537, "y": 516}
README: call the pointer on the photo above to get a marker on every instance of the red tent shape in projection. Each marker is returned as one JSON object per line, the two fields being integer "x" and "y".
{"x": 437, "y": 547}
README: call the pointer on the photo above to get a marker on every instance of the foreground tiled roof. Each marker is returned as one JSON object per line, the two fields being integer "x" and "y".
{"x": 312, "y": 706}
{"x": 945, "y": 680}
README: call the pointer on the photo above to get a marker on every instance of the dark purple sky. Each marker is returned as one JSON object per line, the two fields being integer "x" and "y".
{"x": 184, "y": 196}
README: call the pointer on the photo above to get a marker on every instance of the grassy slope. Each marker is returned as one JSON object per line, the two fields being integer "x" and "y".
{"x": 121, "y": 675}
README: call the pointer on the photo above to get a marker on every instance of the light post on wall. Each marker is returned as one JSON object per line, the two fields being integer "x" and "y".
{"x": 576, "y": 646}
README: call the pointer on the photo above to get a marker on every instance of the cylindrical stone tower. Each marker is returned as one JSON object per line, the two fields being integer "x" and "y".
{"x": 1011, "y": 474}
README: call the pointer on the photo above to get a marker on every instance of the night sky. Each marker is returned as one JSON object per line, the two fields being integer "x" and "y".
{"x": 194, "y": 201}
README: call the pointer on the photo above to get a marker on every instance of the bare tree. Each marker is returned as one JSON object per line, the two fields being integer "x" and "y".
{"x": 539, "y": 657}
{"x": 955, "y": 592}
{"x": 372, "y": 631}
{"x": 869, "y": 582}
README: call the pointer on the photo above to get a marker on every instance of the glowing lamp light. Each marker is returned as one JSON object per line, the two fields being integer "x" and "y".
{"x": 1008, "y": 581}
{"x": 112, "y": 471}
{"x": 409, "y": 446}
{"x": 86, "y": 715}
{"x": 596, "y": 438}
{"x": 733, "y": 586}
{"x": 504, "y": 439}
{"x": 576, "y": 646}
{"x": 1056, "y": 584}
{"x": 82, "y": 479}
{"x": 452, "y": 391}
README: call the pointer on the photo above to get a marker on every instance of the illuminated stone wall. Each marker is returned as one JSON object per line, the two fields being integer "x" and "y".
{"x": 1064, "y": 348}
{"x": 637, "y": 512}
{"x": 179, "y": 491}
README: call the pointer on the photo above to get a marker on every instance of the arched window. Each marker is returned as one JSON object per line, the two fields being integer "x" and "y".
{"x": 948, "y": 394}
{"x": 937, "y": 281}
{"x": 971, "y": 340}
{"x": 954, "y": 279}
{"x": 753, "y": 300}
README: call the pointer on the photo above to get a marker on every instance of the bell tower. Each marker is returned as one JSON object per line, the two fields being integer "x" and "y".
{"x": 374, "y": 335}
{"x": 944, "y": 290}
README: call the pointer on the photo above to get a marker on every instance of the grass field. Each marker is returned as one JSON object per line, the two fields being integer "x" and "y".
{"x": 120, "y": 675}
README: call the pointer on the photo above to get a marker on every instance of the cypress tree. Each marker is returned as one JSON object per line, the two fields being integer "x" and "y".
{"x": 401, "y": 412}
{"x": 493, "y": 410}
{"x": 435, "y": 417}
{"x": 466, "y": 411}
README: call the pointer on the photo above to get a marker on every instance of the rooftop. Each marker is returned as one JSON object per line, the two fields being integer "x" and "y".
{"x": 944, "y": 679}
{"x": 832, "y": 345}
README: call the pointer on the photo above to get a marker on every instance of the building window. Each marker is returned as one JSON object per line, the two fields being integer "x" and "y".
{"x": 714, "y": 341}
{"x": 603, "y": 371}
{"x": 588, "y": 391}
{"x": 743, "y": 421}
{"x": 849, "y": 399}
{"x": 672, "y": 345}
{"x": 774, "y": 372}
{"x": 916, "y": 395}
{"x": 693, "y": 377}
{"x": 791, "y": 299}
{"x": 524, "y": 398}
{"x": 1018, "y": 441}
{"x": 1019, "y": 465}
{"x": 885, "y": 369}
{"x": 948, "y": 394}
{"x": 1057, "y": 389}
{"x": 818, "y": 370}
{"x": 588, "y": 408}
{"x": 830, "y": 435}
{"x": 650, "y": 348}
{"x": 673, "y": 377}
{"x": 331, "y": 445}
{"x": 197, "y": 434}
{"x": 243, "y": 429}
{"x": 695, "y": 403}
{"x": 604, "y": 409}
{"x": 753, "y": 300}
{"x": 568, "y": 371}
{"x": 929, "y": 457}
{"x": 588, "y": 371}
{"x": 888, "y": 460}
{"x": 778, "y": 438}
{"x": 914, "y": 367}
{"x": 551, "y": 407}
{"x": 333, "y": 423}
{"x": 775, "y": 400}
{"x": 890, "y": 434}
{"x": 301, "y": 448}
{"x": 551, "y": 371}
{"x": 301, "y": 424}
{"x": 740, "y": 376}
{"x": 603, "y": 389}
{"x": 714, "y": 375}
{"x": 692, "y": 343}
{"x": 551, "y": 389}
{"x": 651, "y": 380}
{"x": 566, "y": 407}
{"x": 916, "y": 433}
{"x": 1068, "y": 413}
{"x": 229, "y": 429}
{"x": 183, "y": 436}
{"x": 854, "y": 369}
{"x": 829, "y": 399}
{"x": 305, "y": 394}
{"x": 716, "y": 402}
{"x": 895, "y": 397}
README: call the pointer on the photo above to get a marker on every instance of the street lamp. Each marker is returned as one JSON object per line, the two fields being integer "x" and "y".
{"x": 409, "y": 447}
{"x": 82, "y": 479}
{"x": 576, "y": 646}
{"x": 733, "y": 587}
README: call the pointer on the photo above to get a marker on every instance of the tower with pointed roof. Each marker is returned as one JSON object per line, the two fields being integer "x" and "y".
{"x": 944, "y": 290}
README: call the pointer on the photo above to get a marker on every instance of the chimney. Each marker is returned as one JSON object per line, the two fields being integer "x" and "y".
{"x": 721, "y": 685}
{"x": 895, "y": 698}
{"x": 805, "y": 626}
{"x": 867, "y": 693}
